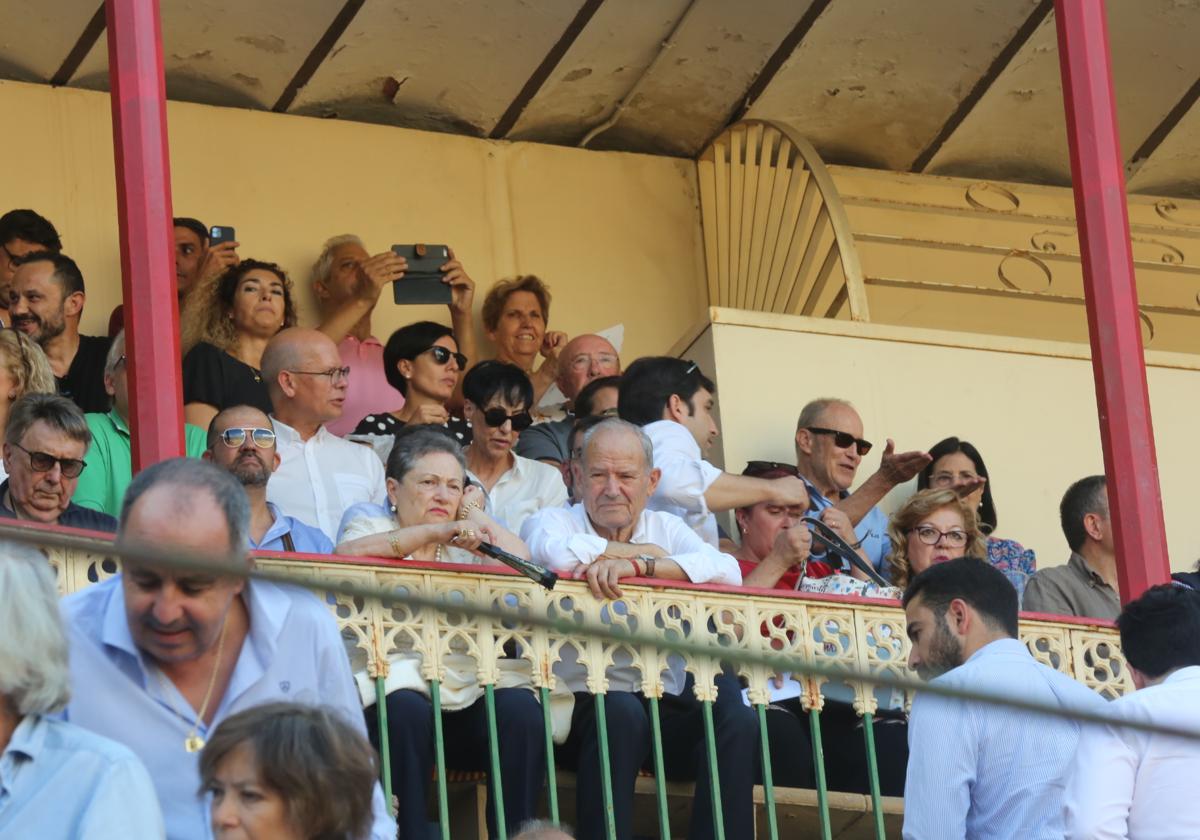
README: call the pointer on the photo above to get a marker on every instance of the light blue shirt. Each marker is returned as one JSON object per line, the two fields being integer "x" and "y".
{"x": 57, "y": 780}
{"x": 982, "y": 771}
{"x": 293, "y": 651}
{"x": 872, "y": 530}
{"x": 305, "y": 538}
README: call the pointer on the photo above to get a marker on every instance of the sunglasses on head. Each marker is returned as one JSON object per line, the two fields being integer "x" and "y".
{"x": 443, "y": 355}
{"x": 495, "y": 417}
{"x": 772, "y": 469}
{"x": 263, "y": 438}
{"x": 44, "y": 462}
{"x": 843, "y": 440}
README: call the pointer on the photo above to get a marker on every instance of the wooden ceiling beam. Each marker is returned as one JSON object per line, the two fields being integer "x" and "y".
{"x": 1164, "y": 128}
{"x": 87, "y": 39}
{"x": 319, "y": 53}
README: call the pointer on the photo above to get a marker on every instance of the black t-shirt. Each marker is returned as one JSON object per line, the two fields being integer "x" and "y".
{"x": 84, "y": 382}
{"x": 385, "y": 424}
{"x": 212, "y": 376}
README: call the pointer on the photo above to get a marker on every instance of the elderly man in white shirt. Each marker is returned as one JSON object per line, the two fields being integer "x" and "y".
{"x": 610, "y": 536}
{"x": 673, "y": 400}
{"x": 320, "y": 475}
{"x": 977, "y": 770}
{"x": 1128, "y": 783}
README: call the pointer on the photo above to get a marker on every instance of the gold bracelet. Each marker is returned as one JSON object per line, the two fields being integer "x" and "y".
{"x": 394, "y": 541}
{"x": 464, "y": 510}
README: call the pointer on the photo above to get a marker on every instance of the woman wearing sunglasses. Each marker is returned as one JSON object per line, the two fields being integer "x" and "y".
{"x": 23, "y": 370}
{"x": 422, "y": 362}
{"x": 497, "y": 398}
{"x": 437, "y": 517}
{"x": 958, "y": 466}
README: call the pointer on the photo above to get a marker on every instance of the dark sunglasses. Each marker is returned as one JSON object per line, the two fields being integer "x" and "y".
{"x": 442, "y": 356}
{"x": 757, "y": 469}
{"x": 495, "y": 417}
{"x": 44, "y": 462}
{"x": 843, "y": 440}
{"x": 263, "y": 438}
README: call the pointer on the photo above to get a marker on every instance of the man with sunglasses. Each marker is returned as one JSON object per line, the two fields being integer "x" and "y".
{"x": 109, "y": 459}
{"x": 22, "y": 232}
{"x": 44, "y": 444}
{"x": 673, "y": 401}
{"x": 829, "y": 449}
{"x": 241, "y": 441}
{"x": 320, "y": 475}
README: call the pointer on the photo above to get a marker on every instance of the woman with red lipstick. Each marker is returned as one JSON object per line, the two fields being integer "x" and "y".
{"x": 226, "y": 325}
{"x": 932, "y": 527}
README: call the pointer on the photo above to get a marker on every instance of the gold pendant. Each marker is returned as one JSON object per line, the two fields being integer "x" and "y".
{"x": 193, "y": 743}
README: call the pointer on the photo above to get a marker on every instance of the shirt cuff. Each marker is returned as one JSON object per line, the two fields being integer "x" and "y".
{"x": 586, "y": 547}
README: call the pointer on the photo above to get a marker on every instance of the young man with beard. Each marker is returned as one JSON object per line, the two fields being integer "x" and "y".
{"x": 22, "y": 232}
{"x": 45, "y": 303}
{"x": 979, "y": 770}
{"x": 242, "y": 442}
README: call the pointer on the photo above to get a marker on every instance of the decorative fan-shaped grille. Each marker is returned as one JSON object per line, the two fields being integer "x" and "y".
{"x": 776, "y": 237}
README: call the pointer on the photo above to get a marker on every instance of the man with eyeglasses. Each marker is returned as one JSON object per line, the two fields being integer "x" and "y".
{"x": 241, "y": 441}
{"x": 44, "y": 444}
{"x": 320, "y": 475}
{"x": 585, "y": 359}
{"x": 829, "y": 449}
{"x": 22, "y": 232}
{"x": 110, "y": 459}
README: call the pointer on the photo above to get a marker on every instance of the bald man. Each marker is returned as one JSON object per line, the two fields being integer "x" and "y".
{"x": 320, "y": 475}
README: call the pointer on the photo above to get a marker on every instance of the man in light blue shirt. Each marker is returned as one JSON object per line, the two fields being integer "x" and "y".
{"x": 978, "y": 770}
{"x": 166, "y": 655}
{"x": 241, "y": 441}
{"x": 56, "y": 779}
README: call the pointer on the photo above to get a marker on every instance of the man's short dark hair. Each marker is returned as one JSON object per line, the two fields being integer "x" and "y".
{"x": 649, "y": 383}
{"x": 1088, "y": 495}
{"x": 579, "y": 428}
{"x": 587, "y": 394}
{"x": 972, "y": 580}
{"x": 194, "y": 225}
{"x": 59, "y": 413}
{"x": 492, "y": 378}
{"x": 1160, "y": 631}
{"x": 29, "y": 226}
{"x": 66, "y": 272}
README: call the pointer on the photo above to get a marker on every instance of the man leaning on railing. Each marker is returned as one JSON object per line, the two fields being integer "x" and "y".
{"x": 611, "y": 536}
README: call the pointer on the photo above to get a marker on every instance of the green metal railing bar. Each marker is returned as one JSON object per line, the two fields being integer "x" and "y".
{"x": 489, "y": 699}
{"x": 814, "y": 723}
{"x": 714, "y": 775}
{"x": 660, "y": 775}
{"x": 768, "y": 782}
{"x": 385, "y": 762}
{"x": 873, "y": 774}
{"x": 439, "y": 757}
{"x": 610, "y": 816}
{"x": 551, "y": 772}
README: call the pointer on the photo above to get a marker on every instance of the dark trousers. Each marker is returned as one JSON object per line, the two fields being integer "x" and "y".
{"x": 520, "y": 736}
{"x": 844, "y": 744}
{"x": 628, "y": 749}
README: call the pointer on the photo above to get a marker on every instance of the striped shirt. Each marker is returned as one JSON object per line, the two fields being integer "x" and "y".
{"x": 983, "y": 771}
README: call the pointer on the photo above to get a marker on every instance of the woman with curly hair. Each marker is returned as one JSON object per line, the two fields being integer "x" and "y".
{"x": 24, "y": 369}
{"x": 226, "y": 326}
{"x": 932, "y": 527}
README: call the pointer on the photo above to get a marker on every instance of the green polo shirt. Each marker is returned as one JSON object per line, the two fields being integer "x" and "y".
{"x": 109, "y": 461}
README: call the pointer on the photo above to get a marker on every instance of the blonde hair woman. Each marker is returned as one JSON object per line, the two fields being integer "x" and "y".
{"x": 932, "y": 527}
{"x": 24, "y": 369}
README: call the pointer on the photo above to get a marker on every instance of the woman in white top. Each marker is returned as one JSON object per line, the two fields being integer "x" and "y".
{"x": 436, "y": 517}
{"x": 24, "y": 369}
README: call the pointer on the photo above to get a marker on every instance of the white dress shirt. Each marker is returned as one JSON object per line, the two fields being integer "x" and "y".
{"x": 1135, "y": 784}
{"x": 319, "y": 478}
{"x": 990, "y": 772}
{"x": 562, "y": 538}
{"x": 524, "y": 489}
{"x": 685, "y": 477}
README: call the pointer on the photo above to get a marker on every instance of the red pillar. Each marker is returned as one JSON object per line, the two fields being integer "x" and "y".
{"x": 1098, "y": 178}
{"x": 139, "y": 117}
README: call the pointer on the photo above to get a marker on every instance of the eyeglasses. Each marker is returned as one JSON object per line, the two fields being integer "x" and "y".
{"x": 496, "y": 417}
{"x": 758, "y": 469}
{"x": 949, "y": 479}
{"x": 584, "y": 361}
{"x": 263, "y": 438}
{"x": 443, "y": 355}
{"x": 843, "y": 440}
{"x": 44, "y": 462}
{"x": 336, "y": 375}
{"x": 955, "y": 537}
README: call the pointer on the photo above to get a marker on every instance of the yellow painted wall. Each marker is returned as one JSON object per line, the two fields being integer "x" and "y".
{"x": 1028, "y": 405}
{"x": 615, "y": 235}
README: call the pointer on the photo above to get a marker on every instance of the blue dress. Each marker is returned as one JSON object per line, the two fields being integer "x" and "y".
{"x": 1016, "y": 562}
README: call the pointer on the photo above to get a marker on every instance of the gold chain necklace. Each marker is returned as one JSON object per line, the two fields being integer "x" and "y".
{"x": 193, "y": 742}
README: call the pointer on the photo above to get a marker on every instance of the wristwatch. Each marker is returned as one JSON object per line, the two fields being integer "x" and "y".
{"x": 648, "y": 563}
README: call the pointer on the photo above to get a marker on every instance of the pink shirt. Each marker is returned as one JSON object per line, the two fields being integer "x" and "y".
{"x": 368, "y": 391}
